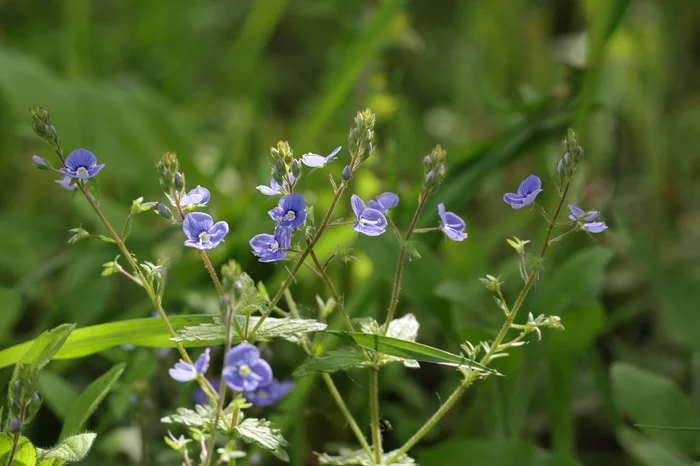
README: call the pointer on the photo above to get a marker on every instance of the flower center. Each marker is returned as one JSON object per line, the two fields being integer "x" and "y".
{"x": 364, "y": 221}
{"x": 244, "y": 370}
{"x": 203, "y": 237}
{"x": 262, "y": 394}
{"x": 274, "y": 247}
{"x": 290, "y": 215}
{"x": 82, "y": 171}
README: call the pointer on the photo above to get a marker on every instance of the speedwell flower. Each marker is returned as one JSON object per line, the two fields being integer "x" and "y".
{"x": 370, "y": 222}
{"x": 244, "y": 371}
{"x": 66, "y": 183}
{"x": 587, "y": 220}
{"x": 184, "y": 372}
{"x": 384, "y": 202}
{"x": 269, "y": 394}
{"x": 451, "y": 224}
{"x": 270, "y": 248}
{"x": 527, "y": 192}
{"x": 81, "y": 163}
{"x": 290, "y": 211}
{"x": 315, "y": 160}
{"x": 202, "y": 232}
{"x": 275, "y": 187}
{"x": 199, "y": 196}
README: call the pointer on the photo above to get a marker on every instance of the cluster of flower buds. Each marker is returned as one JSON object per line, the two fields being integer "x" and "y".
{"x": 23, "y": 397}
{"x": 171, "y": 180}
{"x": 434, "y": 168}
{"x": 285, "y": 168}
{"x": 361, "y": 140}
{"x": 573, "y": 154}
{"x": 41, "y": 124}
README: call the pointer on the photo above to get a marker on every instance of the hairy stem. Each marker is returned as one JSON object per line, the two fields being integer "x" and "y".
{"x": 374, "y": 414}
{"x": 346, "y": 412}
{"x": 331, "y": 288}
{"x": 212, "y": 273}
{"x": 471, "y": 375}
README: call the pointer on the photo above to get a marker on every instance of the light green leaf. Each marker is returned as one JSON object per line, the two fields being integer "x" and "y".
{"x": 261, "y": 433}
{"x": 648, "y": 451}
{"x": 86, "y": 404}
{"x": 410, "y": 350}
{"x": 336, "y": 360}
{"x": 272, "y": 327}
{"x": 150, "y": 332}
{"x": 346, "y": 456}
{"x": 25, "y": 454}
{"x": 51, "y": 462}
{"x": 45, "y": 347}
{"x": 71, "y": 449}
{"x": 490, "y": 452}
{"x": 201, "y": 416}
{"x": 649, "y": 398}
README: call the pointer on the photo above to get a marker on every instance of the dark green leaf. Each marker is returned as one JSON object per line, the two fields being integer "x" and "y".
{"x": 45, "y": 347}
{"x": 489, "y": 452}
{"x": 261, "y": 433}
{"x": 336, "y": 360}
{"x": 648, "y": 451}
{"x": 346, "y": 456}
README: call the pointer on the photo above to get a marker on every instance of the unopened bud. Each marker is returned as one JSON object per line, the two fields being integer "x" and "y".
{"x": 296, "y": 168}
{"x": 427, "y": 163}
{"x": 15, "y": 425}
{"x": 368, "y": 135}
{"x": 40, "y": 163}
{"x": 346, "y": 174}
{"x": 179, "y": 181}
{"x": 164, "y": 211}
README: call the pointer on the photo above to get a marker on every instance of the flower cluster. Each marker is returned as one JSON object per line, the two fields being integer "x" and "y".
{"x": 289, "y": 214}
{"x": 244, "y": 372}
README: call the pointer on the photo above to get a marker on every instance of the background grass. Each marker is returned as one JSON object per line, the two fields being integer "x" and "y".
{"x": 496, "y": 82}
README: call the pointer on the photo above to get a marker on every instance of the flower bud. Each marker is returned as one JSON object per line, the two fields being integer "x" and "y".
{"x": 179, "y": 182}
{"x": 296, "y": 168}
{"x": 15, "y": 425}
{"x": 346, "y": 174}
{"x": 279, "y": 172}
{"x": 164, "y": 211}
{"x": 368, "y": 135}
{"x": 40, "y": 163}
{"x": 427, "y": 163}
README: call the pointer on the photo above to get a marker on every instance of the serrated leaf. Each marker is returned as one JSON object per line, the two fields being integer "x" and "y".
{"x": 45, "y": 347}
{"x": 272, "y": 327}
{"x": 86, "y": 404}
{"x": 261, "y": 433}
{"x": 410, "y": 350}
{"x": 186, "y": 417}
{"x": 150, "y": 332}
{"x": 336, "y": 360}
{"x": 70, "y": 450}
{"x": 346, "y": 456}
{"x": 25, "y": 454}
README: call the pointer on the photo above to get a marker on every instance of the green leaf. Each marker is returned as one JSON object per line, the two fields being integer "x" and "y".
{"x": 45, "y": 347}
{"x": 336, "y": 360}
{"x": 51, "y": 462}
{"x": 410, "y": 350}
{"x": 71, "y": 449}
{"x": 11, "y": 308}
{"x": 25, "y": 454}
{"x": 57, "y": 393}
{"x": 272, "y": 327}
{"x": 201, "y": 416}
{"x": 260, "y": 432}
{"x": 150, "y": 332}
{"x": 648, "y": 451}
{"x": 649, "y": 398}
{"x": 86, "y": 404}
{"x": 490, "y": 452}
{"x": 346, "y": 456}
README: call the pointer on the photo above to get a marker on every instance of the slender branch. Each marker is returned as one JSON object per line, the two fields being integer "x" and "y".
{"x": 425, "y": 230}
{"x": 212, "y": 273}
{"x": 130, "y": 277}
{"x": 395, "y": 229}
{"x": 334, "y": 293}
{"x": 337, "y": 224}
{"x": 374, "y": 414}
{"x": 399, "y": 264}
{"x": 18, "y": 435}
{"x": 558, "y": 238}
{"x": 473, "y": 374}
{"x": 346, "y": 412}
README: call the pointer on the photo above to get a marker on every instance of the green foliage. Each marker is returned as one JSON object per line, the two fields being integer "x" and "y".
{"x": 359, "y": 457}
{"x": 45, "y": 347}
{"x": 261, "y": 433}
{"x": 86, "y": 404}
{"x": 482, "y": 451}
{"x": 337, "y": 360}
{"x": 70, "y": 450}
{"x": 273, "y": 327}
{"x": 25, "y": 454}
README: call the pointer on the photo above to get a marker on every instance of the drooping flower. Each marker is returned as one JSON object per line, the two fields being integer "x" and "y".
{"x": 199, "y": 196}
{"x": 244, "y": 371}
{"x": 269, "y": 394}
{"x": 275, "y": 187}
{"x": 270, "y": 248}
{"x": 202, "y": 232}
{"x": 82, "y": 164}
{"x": 384, "y": 202}
{"x": 290, "y": 211}
{"x": 66, "y": 183}
{"x": 184, "y": 371}
{"x": 315, "y": 160}
{"x": 451, "y": 224}
{"x": 527, "y": 192}
{"x": 370, "y": 222}
{"x": 587, "y": 219}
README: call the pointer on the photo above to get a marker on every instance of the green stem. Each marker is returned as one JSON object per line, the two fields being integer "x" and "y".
{"x": 374, "y": 414}
{"x": 16, "y": 438}
{"x": 331, "y": 288}
{"x": 212, "y": 273}
{"x": 399, "y": 264}
{"x": 346, "y": 412}
{"x": 473, "y": 374}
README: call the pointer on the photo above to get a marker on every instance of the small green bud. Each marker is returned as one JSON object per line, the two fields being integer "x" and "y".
{"x": 164, "y": 211}
{"x": 296, "y": 168}
{"x": 80, "y": 233}
{"x": 518, "y": 245}
{"x": 491, "y": 283}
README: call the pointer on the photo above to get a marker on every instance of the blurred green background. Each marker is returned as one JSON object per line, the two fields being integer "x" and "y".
{"x": 497, "y": 83}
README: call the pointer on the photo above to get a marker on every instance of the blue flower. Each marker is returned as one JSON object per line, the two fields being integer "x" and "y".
{"x": 370, "y": 222}
{"x": 198, "y": 197}
{"x": 527, "y": 192}
{"x": 451, "y": 224}
{"x": 244, "y": 371}
{"x": 315, "y": 160}
{"x": 275, "y": 187}
{"x": 384, "y": 202}
{"x": 290, "y": 211}
{"x": 269, "y": 394}
{"x": 270, "y": 248}
{"x": 587, "y": 219}
{"x": 202, "y": 232}
{"x": 66, "y": 183}
{"x": 82, "y": 164}
{"x": 184, "y": 372}
{"x": 15, "y": 425}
